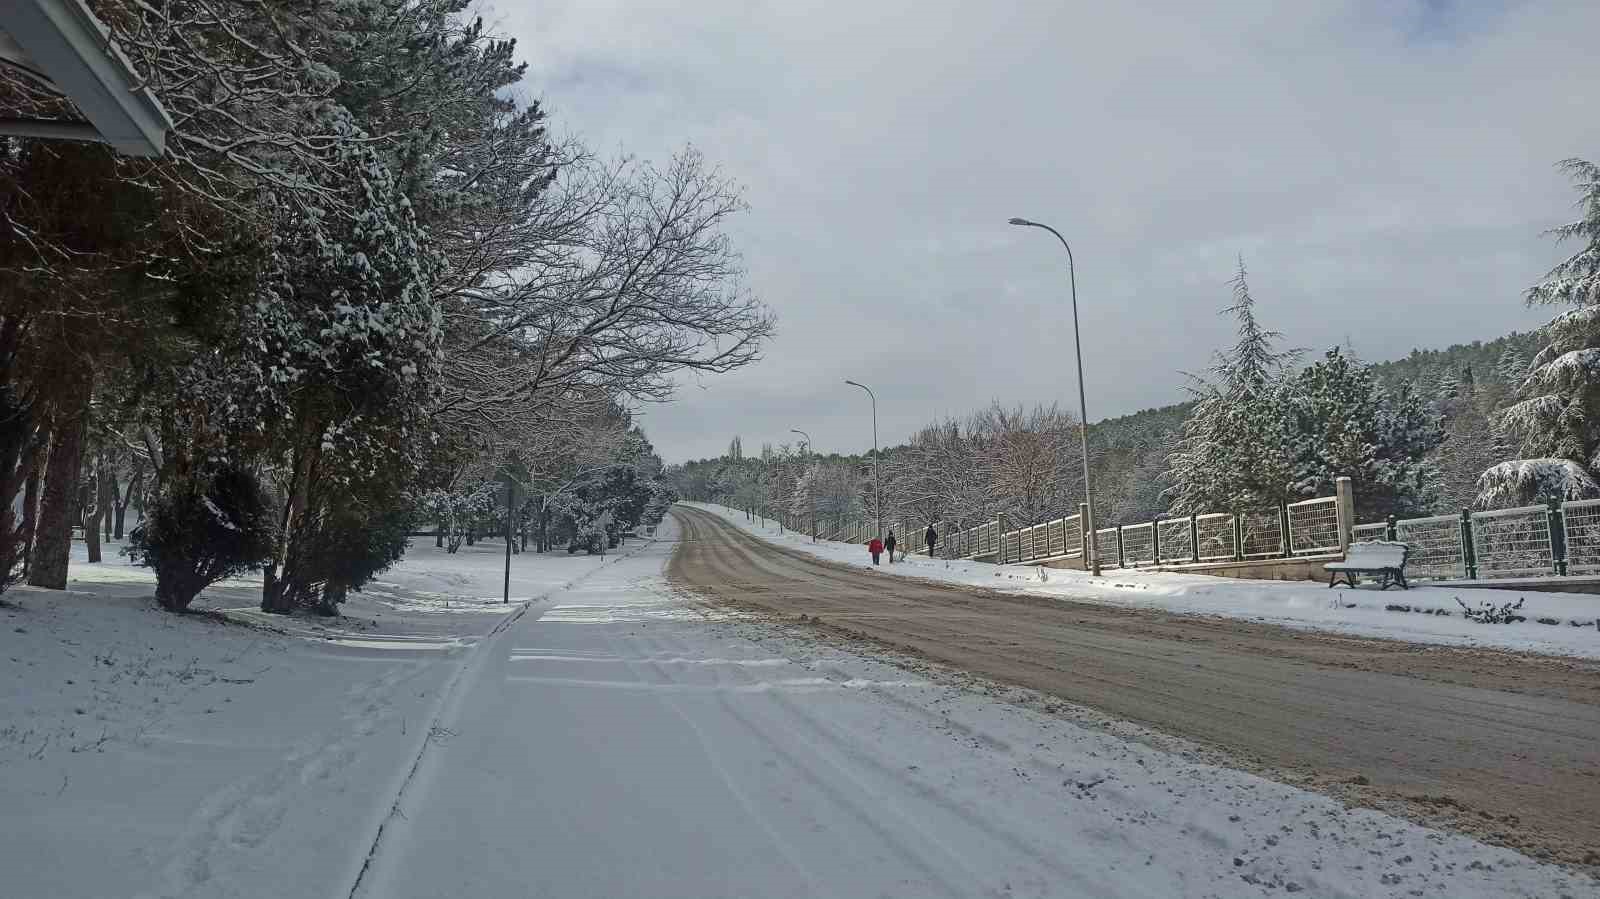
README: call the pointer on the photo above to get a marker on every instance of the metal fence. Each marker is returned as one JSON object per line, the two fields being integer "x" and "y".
{"x": 1581, "y": 520}
{"x": 1214, "y": 537}
{"x": 1306, "y": 528}
{"x": 1360, "y": 532}
{"x": 1105, "y": 545}
{"x": 1529, "y": 541}
{"x": 1177, "y": 540}
{"x": 1314, "y": 526}
{"x": 1513, "y": 542}
{"x": 1437, "y": 548}
{"x": 1261, "y": 534}
{"x": 1139, "y": 544}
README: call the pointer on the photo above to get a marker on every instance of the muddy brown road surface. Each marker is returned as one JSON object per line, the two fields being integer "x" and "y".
{"x": 1502, "y": 745}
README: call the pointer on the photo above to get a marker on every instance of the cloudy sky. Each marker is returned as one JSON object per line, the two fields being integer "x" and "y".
{"x": 1385, "y": 168}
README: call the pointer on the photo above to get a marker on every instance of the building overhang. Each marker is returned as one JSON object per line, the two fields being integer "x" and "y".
{"x": 60, "y": 45}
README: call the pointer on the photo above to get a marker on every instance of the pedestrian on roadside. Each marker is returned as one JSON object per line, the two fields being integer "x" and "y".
{"x": 875, "y": 546}
{"x": 889, "y": 545}
{"x": 932, "y": 536}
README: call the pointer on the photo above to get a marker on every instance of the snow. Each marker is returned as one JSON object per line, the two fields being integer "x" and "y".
{"x": 630, "y": 741}
{"x": 610, "y": 737}
{"x": 1361, "y": 611}
{"x": 144, "y": 754}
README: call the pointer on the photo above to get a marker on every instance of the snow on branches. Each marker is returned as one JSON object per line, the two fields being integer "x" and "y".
{"x": 1556, "y": 420}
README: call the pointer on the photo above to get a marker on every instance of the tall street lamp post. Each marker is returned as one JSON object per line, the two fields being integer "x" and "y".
{"x": 1090, "y": 542}
{"x": 805, "y": 448}
{"x": 877, "y": 482}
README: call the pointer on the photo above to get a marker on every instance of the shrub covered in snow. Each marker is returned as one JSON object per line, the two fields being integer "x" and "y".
{"x": 1489, "y": 613}
{"x": 201, "y": 530}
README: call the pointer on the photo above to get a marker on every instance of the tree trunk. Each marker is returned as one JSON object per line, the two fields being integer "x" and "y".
{"x": 52, "y": 545}
{"x": 30, "y": 494}
{"x": 126, "y": 497}
{"x": 438, "y": 534}
{"x": 275, "y": 594}
{"x": 97, "y": 509}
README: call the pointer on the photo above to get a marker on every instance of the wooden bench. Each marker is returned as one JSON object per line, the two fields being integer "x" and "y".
{"x": 1380, "y": 557}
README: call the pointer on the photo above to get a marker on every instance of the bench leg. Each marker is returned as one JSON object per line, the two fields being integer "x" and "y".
{"x": 1400, "y": 576}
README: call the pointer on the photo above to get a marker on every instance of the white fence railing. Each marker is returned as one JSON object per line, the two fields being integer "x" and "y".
{"x": 1581, "y": 520}
{"x": 1177, "y": 541}
{"x": 1306, "y": 528}
{"x": 1139, "y": 544}
{"x": 1529, "y": 541}
{"x": 1513, "y": 542}
{"x": 1314, "y": 526}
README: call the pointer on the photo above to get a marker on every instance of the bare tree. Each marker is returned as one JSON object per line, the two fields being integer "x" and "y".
{"x": 632, "y": 280}
{"x": 1031, "y": 455}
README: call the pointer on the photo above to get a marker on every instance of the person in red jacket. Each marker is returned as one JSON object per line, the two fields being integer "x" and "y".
{"x": 876, "y": 548}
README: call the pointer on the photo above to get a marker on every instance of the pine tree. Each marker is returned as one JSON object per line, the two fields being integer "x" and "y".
{"x": 1556, "y": 421}
{"x": 1231, "y": 453}
{"x": 1343, "y": 424}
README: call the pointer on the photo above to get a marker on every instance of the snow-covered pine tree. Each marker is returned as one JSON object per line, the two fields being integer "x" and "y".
{"x": 1231, "y": 453}
{"x": 1556, "y": 421}
{"x": 1343, "y": 424}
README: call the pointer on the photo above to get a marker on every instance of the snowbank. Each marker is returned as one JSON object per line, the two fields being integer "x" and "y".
{"x": 1363, "y": 611}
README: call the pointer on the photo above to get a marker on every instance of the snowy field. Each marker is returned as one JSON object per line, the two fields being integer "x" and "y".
{"x": 614, "y": 738}
{"x": 1362, "y": 611}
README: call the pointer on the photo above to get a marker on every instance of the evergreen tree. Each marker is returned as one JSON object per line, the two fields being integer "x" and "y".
{"x": 1232, "y": 451}
{"x": 1556, "y": 420}
{"x": 1343, "y": 424}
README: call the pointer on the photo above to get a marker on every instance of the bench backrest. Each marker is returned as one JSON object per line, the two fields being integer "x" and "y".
{"x": 1378, "y": 554}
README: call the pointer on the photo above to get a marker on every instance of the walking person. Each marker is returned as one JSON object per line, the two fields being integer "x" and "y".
{"x": 875, "y": 546}
{"x": 889, "y": 545}
{"x": 932, "y": 536}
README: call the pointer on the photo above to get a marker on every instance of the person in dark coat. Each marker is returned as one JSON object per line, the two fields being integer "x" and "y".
{"x": 889, "y": 545}
{"x": 932, "y": 536}
{"x": 875, "y": 546}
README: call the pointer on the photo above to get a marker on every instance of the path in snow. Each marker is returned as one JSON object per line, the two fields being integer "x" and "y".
{"x": 624, "y": 740}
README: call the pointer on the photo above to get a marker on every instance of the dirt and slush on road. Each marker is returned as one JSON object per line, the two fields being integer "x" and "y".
{"x": 1502, "y": 746}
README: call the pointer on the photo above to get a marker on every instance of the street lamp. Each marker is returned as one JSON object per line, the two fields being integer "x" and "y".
{"x": 877, "y": 483}
{"x": 1090, "y": 542}
{"x": 806, "y": 445}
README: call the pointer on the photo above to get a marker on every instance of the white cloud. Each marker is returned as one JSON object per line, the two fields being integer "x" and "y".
{"x": 1384, "y": 168}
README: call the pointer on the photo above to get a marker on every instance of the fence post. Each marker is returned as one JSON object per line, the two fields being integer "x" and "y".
{"x": 1391, "y": 531}
{"x": 1344, "y": 504}
{"x": 1122, "y": 561}
{"x": 1155, "y": 541}
{"x": 1238, "y": 537}
{"x": 1194, "y": 536}
{"x": 1558, "y": 537}
{"x": 1469, "y": 553}
{"x": 1000, "y": 538}
{"x": 1283, "y": 529}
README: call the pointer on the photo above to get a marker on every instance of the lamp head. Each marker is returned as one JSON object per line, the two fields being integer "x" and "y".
{"x": 1020, "y": 221}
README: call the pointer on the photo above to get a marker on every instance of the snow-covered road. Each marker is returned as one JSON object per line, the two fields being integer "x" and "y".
{"x": 622, "y": 740}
